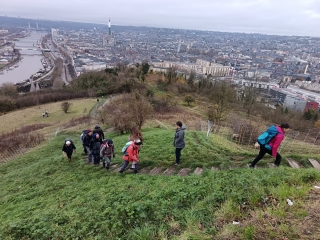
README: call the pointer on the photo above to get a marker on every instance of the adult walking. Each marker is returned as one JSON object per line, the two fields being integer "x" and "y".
{"x": 95, "y": 148}
{"x": 131, "y": 155}
{"x": 98, "y": 130}
{"x": 179, "y": 142}
{"x": 272, "y": 146}
{"x": 86, "y": 143}
{"x": 135, "y": 135}
{"x": 67, "y": 149}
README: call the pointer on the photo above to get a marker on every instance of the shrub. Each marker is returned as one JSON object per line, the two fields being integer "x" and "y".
{"x": 126, "y": 112}
{"x": 188, "y": 99}
{"x": 65, "y": 106}
{"x": 6, "y": 104}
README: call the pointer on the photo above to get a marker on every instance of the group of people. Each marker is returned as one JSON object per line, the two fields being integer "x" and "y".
{"x": 96, "y": 147}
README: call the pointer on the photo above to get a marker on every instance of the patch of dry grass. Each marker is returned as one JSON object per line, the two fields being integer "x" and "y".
{"x": 33, "y": 115}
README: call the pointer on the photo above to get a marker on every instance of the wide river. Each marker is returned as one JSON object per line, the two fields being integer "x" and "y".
{"x": 30, "y": 63}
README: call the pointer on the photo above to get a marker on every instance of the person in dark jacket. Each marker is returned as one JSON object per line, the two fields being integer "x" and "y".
{"x": 107, "y": 152}
{"x": 67, "y": 150}
{"x": 179, "y": 142}
{"x": 86, "y": 143}
{"x": 98, "y": 130}
{"x": 95, "y": 148}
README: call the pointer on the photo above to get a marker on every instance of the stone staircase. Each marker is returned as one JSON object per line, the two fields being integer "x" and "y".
{"x": 198, "y": 171}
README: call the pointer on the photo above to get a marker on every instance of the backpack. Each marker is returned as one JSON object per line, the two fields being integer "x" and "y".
{"x": 124, "y": 149}
{"x": 104, "y": 145}
{"x": 266, "y": 137}
{"x": 83, "y": 135}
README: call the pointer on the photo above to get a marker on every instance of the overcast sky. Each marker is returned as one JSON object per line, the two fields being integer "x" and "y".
{"x": 283, "y": 17}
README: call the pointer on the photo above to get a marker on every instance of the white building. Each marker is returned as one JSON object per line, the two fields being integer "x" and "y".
{"x": 200, "y": 67}
{"x": 295, "y": 103}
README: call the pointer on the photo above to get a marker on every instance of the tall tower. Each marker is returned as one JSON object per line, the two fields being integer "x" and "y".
{"x": 109, "y": 25}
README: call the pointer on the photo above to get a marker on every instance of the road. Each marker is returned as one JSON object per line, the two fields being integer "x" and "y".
{"x": 304, "y": 93}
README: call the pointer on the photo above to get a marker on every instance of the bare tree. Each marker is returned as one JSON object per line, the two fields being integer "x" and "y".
{"x": 9, "y": 89}
{"x": 127, "y": 111}
{"x": 140, "y": 110}
{"x": 223, "y": 94}
{"x": 65, "y": 106}
{"x": 249, "y": 98}
{"x": 171, "y": 75}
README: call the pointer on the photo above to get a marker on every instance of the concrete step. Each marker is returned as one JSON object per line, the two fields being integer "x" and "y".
{"x": 144, "y": 170}
{"x": 183, "y": 172}
{"x": 293, "y": 163}
{"x": 156, "y": 171}
{"x": 114, "y": 166}
{"x": 198, "y": 171}
{"x": 271, "y": 165}
{"x": 116, "y": 169}
{"x": 169, "y": 171}
{"x": 315, "y": 163}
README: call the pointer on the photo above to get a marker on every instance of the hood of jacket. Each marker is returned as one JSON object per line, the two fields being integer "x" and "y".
{"x": 182, "y": 128}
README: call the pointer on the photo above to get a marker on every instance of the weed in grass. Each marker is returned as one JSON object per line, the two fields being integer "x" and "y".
{"x": 248, "y": 232}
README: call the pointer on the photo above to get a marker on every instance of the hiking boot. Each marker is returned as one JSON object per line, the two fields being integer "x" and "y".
{"x": 135, "y": 171}
{"x": 250, "y": 166}
{"x": 120, "y": 171}
{"x": 108, "y": 166}
{"x": 176, "y": 164}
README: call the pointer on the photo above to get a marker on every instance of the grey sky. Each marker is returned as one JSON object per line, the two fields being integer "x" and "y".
{"x": 283, "y": 17}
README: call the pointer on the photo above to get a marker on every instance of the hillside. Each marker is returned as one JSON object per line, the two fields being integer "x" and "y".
{"x": 43, "y": 196}
{"x": 210, "y": 195}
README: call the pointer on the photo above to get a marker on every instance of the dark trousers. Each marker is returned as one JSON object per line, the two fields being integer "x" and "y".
{"x": 96, "y": 159}
{"x": 125, "y": 165}
{"x": 85, "y": 149}
{"x": 178, "y": 155}
{"x": 263, "y": 152}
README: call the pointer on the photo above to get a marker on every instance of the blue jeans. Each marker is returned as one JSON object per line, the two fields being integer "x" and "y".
{"x": 90, "y": 156}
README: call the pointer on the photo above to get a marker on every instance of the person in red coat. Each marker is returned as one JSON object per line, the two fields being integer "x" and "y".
{"x": 131, "y": 155}
{"x": 274, "y": 144}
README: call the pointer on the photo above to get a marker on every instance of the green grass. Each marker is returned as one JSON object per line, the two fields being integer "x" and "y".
{"x": 42, "y": 196}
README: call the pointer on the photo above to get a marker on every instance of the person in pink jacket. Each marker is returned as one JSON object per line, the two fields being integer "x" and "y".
{"x": 274, "y": 144}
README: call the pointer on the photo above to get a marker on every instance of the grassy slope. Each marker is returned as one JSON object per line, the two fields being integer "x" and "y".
{"x": 33, "y": 115}
{"x": 42, "y": 196}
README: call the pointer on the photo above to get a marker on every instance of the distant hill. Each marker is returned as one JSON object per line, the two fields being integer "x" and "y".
{"x": 44, "y": 23}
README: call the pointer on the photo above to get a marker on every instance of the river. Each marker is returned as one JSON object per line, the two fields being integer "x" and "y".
{"x": 30, "y": 63}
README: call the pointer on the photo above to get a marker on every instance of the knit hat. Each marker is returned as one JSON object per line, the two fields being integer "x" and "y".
{"x": 110, "y": 142}
{"x": 68, "y": 142}
{"x": 97, "y": 126}
{"x": 137, "y": 142}
{"x": 95, "y": 135}
{"x": 88, "y": 130}
{"x": 285, "y": 125}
